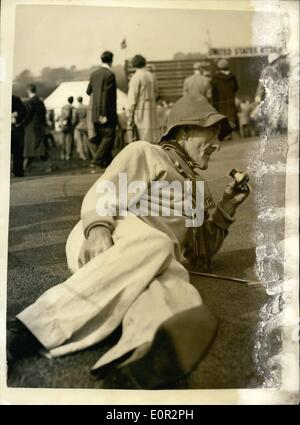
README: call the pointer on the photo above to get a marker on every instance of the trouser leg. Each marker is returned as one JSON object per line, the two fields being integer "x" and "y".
{"x": 242, "y": 131}
{"x": 89, "y": 305}
{"x": 123, "y": 138}
{"x": 85, "y": 143}
{"x": 63, "y": 145}
{"x": 17, "y": 153}
{"x": 78, "y": 143}
{"x": 104, "y": 151}
{"x": 92, "y": 148}
{"x": 69, "y": 144}
{"x": 79, "y": 140}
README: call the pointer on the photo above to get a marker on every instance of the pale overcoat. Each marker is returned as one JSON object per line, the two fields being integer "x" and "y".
{"x": 142, "y": 105}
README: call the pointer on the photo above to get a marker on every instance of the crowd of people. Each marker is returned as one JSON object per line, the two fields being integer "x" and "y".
{"x": 91, "y": 132}
{"x": 249, "y": 116}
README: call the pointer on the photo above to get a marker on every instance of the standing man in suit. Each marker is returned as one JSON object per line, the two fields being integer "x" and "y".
{"x": 67, "y": 129}
{"x": 103, "y": 89}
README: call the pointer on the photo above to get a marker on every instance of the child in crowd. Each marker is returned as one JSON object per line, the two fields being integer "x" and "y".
{"x": 246, "y": 126}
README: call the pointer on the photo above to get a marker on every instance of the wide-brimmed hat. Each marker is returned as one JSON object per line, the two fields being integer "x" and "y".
{"x": 196, "y": 110}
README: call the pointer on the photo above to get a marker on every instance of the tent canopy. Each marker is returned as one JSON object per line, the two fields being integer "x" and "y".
{"x": 58, "y": 98}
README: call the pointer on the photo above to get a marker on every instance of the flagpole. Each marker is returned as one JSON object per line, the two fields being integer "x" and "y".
{"x": 124, "y": 48}
{"x": 208, "y": 42}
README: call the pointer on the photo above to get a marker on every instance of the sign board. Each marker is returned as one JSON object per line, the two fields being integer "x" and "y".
{"x": 240, "y": 51}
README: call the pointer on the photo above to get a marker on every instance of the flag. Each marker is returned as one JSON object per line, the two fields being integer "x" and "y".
{"x": 123, "y": 43}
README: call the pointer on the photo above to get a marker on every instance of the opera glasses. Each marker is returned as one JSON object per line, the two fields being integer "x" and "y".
{"x": 241, "y": 180}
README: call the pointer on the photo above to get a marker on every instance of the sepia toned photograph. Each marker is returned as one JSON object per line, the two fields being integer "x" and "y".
{"x": 149, "y": 220}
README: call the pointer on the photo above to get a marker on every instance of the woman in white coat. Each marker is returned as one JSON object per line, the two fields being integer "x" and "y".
{"x": 142, "y": 101}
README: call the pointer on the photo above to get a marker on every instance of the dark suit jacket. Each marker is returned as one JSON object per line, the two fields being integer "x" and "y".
{"x": 103, "y": 86}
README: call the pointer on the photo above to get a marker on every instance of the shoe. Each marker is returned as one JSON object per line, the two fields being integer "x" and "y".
{"x": 20, "y": 342}
{"x": 178, "y": 345}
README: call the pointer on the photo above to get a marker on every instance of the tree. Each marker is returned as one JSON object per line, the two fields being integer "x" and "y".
{"x": 21, "y": 82}
{"x": 25, "y": 77}
{"x": 179, "y": 56}
{"x": 194, "y": 56}
{"x": 45, "y": 72}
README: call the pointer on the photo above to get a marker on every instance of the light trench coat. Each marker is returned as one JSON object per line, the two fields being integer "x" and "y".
{"x": 142, "y": 105}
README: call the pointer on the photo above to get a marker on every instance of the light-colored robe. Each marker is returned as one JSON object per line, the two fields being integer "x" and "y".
{"x": 138, "y": 282}
{"x": 142, "y": 105}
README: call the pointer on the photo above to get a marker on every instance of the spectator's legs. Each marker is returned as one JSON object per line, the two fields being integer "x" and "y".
{"x": 78, "y": 136}
{"x": 242, "y": 130}
{"x": 92, "y": 148}
{"x": 17, "y": 152}
{"x": 85, "y": 143}
{"x": 103, "y": 155}
{"x": 63, "y": 145}
{"x": 248, "y": 130}
{"x": 124, "y": 138}
{"x": 69, "y": 144}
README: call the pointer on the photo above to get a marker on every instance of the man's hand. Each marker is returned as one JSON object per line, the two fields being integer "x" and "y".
{"x": 99, "y": 240}
{"x": 233, "y": 197}
{"x": 102, "y": 119}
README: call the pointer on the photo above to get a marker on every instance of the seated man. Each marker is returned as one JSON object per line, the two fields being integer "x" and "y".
{"x": 126, "y": 264}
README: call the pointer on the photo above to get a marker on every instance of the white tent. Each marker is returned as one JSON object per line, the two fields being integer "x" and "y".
{"x": 58, "y": 98}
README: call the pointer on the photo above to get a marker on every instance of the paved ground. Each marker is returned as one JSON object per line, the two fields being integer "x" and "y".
{"x": 45, "y": 206}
